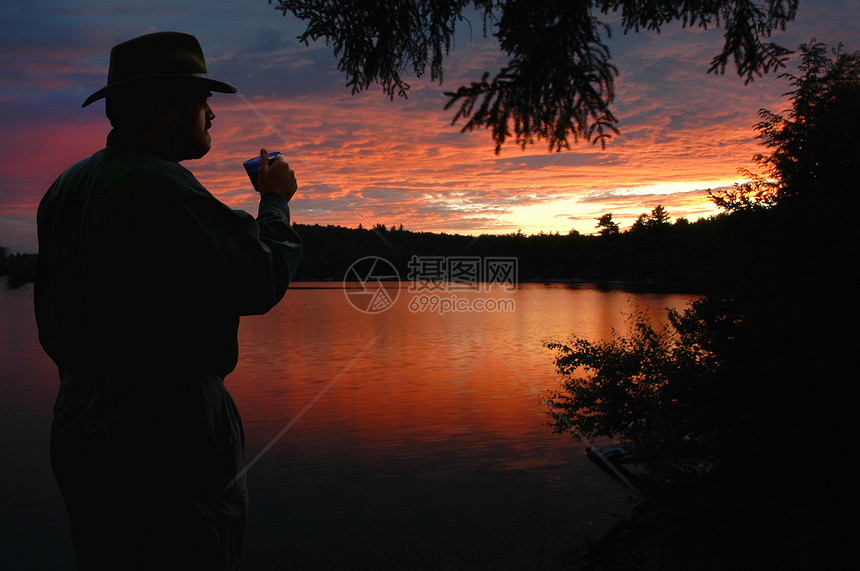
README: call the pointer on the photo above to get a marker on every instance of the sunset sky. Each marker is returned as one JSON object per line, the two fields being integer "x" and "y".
{"x": 364, "y": 159}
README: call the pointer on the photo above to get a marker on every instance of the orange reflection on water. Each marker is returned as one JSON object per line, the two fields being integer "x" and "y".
{"x": 458, "y": 387}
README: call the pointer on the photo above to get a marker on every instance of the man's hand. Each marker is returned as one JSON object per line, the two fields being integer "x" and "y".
{"x": 277, "y": 177}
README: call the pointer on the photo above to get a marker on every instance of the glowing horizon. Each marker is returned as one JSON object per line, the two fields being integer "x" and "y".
{"x": 459, "y": 186}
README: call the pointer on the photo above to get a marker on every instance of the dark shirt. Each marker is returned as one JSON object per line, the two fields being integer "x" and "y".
{"x": 142, "y": 269}
{"x": 142, "y": 277}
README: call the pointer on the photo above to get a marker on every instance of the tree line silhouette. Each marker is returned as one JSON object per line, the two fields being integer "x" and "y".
{"x": 17, "y": 269}
{"x": 653, "y": 253}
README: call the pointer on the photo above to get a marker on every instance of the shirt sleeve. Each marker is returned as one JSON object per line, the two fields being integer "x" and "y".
{"x": 250, "y": 260}
{"x": 140, "y": 265}
{"x": 285, "y": 245}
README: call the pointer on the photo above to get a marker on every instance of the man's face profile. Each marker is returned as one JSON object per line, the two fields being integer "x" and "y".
{"x": 190, "y": 118}
{"x": 175, "y": 118}
{"x": 199, "y": 118}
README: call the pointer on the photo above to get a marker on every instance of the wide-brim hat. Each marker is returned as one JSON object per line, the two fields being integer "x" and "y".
{"x": 159, "y": 56}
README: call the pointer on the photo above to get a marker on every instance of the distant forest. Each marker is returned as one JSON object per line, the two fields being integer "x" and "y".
{"x": 16, "y": 269}
{"x": 653, "y": 254}
{"x": 689, "y": 256}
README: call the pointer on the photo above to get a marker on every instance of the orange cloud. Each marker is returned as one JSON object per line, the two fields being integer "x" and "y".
{"x": 364, "y": 159}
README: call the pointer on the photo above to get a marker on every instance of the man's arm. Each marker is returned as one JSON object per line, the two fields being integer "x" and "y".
{"x": 277, "y": 185}
{"x": 251, "y": 262}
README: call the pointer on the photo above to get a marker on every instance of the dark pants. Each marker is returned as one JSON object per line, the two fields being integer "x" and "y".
{"x": 143, "y": 467}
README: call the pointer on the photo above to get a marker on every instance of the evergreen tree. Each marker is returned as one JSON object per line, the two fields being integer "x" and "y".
{"x": 815, "y": 145}
{"x": 659, "y": 217}
{"x": 559, "y": 81}
{"x": 608, "y": 227}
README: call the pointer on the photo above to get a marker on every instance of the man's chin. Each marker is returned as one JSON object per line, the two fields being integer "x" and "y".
{"x": 199, "y": 152}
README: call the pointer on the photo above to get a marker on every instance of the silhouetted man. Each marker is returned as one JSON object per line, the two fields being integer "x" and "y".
{"x": 142, "y": 277}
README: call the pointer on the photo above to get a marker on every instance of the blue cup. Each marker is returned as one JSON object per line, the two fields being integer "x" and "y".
{"x": 253, "y": 165}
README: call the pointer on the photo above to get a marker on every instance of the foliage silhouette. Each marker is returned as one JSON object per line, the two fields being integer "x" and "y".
{"x": 814, "y": 147}
{"x": 559, "y": 82}
{"x": 782, "y": 234}
{"x": 608, "y": 227}
{"x": 662, "y": 389}
{"x": 750, "y": 384}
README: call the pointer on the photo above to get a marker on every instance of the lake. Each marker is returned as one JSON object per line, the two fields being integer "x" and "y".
{"x": 407, "y": 437}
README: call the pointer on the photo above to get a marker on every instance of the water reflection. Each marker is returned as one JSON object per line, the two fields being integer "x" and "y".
{"x": 429, "y": 451}
{"x": 462, "y": 383}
